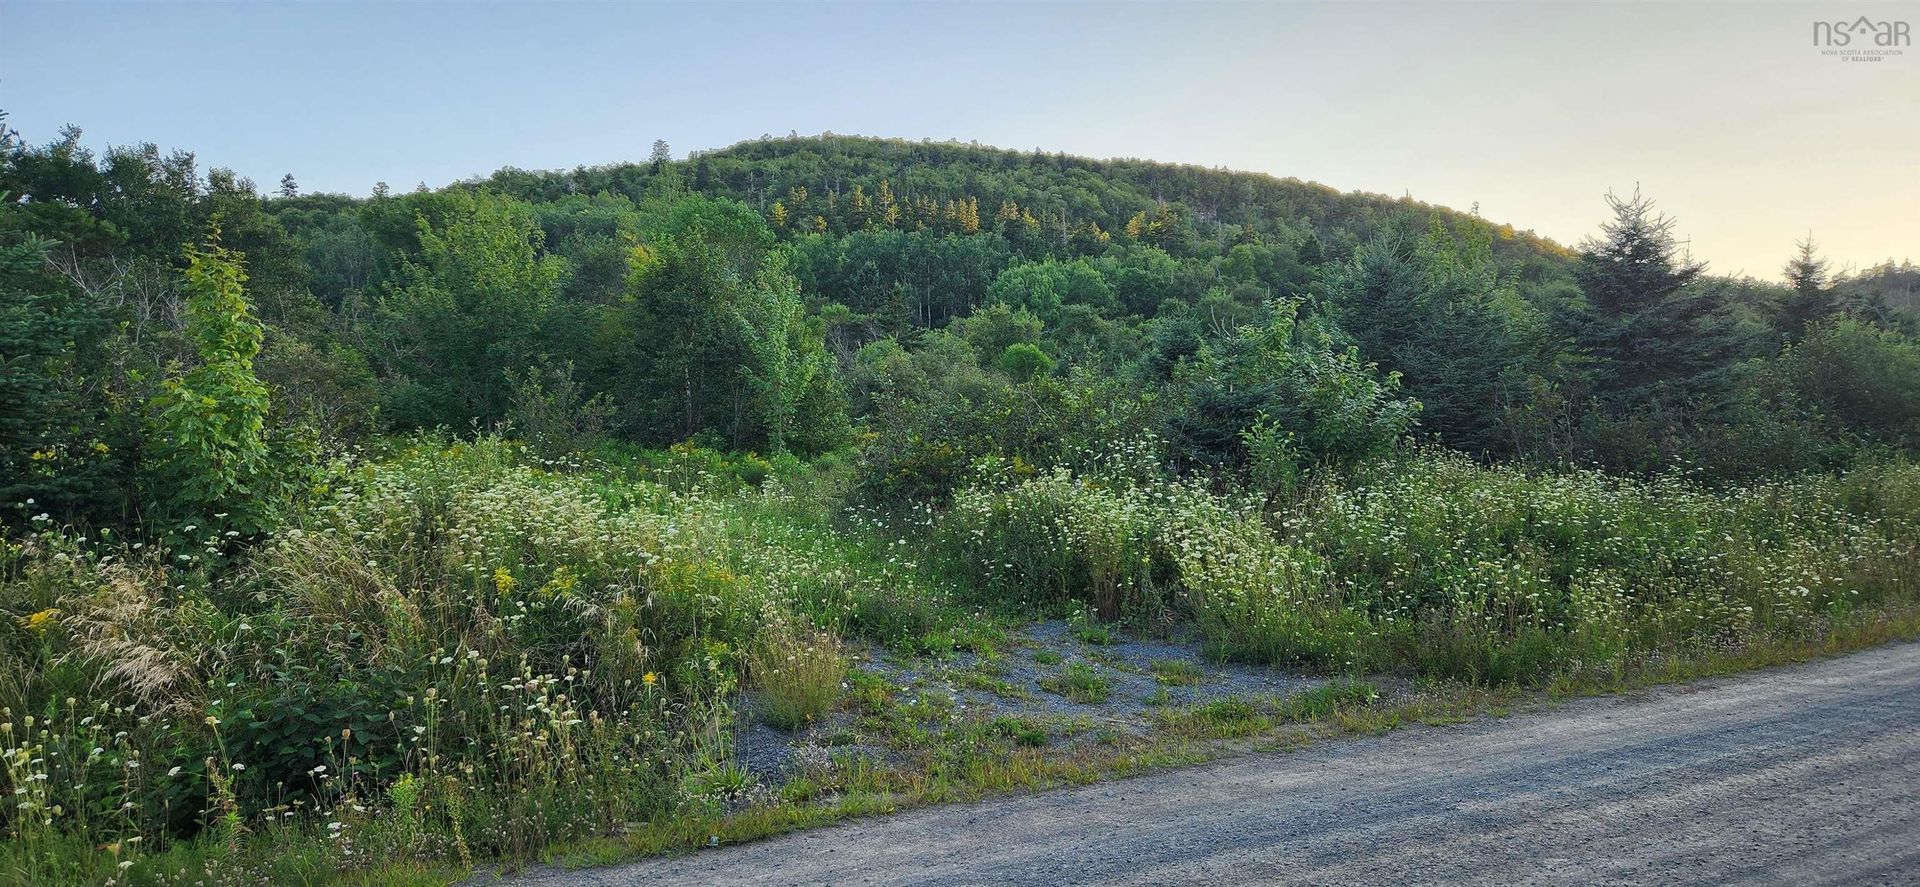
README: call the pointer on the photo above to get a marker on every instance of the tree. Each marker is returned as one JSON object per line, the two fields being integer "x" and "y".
{"x": 1648, "y": 334}
{"x": 1436, "y": 310}
{"x": 1022, "y": 361}
{"x": 718, "y": 339}
{"x": 51, "y": 449}
{"x": 1043, "y": 288}
{"x": 1311, "y": 251}
{"x": 288, "y": 187}
{"x": 469, "y": 309}
{"x": 1812, "y": 298}
{"x": 207, "y": 468}
{"x": 661, "y": 155}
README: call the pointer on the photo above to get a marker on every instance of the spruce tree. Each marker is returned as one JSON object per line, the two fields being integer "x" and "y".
{"x": 51, "y": 453}
{"x": 1812, "y": 298}
{"x": 1647, "y": 333}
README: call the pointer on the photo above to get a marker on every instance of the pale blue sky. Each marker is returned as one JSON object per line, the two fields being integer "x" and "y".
{"x": 1726, "y": 113}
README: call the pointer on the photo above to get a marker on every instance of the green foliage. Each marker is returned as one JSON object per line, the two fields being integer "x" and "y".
{"x": 1288, "y": 380}
{"x": 720, "y": 341}
{"x": 1438, "y": 311}
{"x": 53, "y": 458}
{"x": 1651, "y": 334}
{"x": 550, "y": 412}
{"x": 1168, "y": 397}
{"x": 799, "y": 675}
{"x": 1022, "y": 361}
{"x": 1176, "y": 672}
{"x": 207, "y": 465}
{"x": 1078, "y": 682}
{"x": 1050, "y": 539}
{"x": 1045, "y": 288}
{"x": 465, "y": 312}
{"x": 1853, "y": 378}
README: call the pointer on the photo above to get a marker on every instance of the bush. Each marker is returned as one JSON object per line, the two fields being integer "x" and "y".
{"x": 458, "y": 653}
{"x": 1049, "y": 540}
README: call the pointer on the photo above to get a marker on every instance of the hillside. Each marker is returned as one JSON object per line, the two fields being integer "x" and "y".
{"x": 629, "y": 508}
{"x": 1064, "y": 193}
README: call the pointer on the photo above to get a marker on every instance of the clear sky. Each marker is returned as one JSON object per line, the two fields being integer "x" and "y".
{"x": 1726, "y": 113}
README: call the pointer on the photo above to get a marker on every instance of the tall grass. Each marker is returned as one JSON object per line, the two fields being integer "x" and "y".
{"x": 1439, "y": 564}
{"x": 461, "y": 651}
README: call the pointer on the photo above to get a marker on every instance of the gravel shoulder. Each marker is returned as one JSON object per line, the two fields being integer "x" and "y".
{"x": 1807, "y": 774}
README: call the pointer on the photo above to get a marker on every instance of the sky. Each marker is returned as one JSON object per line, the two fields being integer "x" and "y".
{"x": 1727, "y": 114}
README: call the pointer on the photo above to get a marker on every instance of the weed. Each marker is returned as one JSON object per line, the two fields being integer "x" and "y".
{"x": 1089, "y": 630}
{"x": 1079, "y": 682}
{"x": 1176, "y": 672}
{"x": 1326, "y": 700}
{"x": 800, "y": 674}
{"x": 1022, "y": 731}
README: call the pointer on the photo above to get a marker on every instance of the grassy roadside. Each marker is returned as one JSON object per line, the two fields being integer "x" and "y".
{"x": 976, "y": 761}
{"x": 1208, "y": 732}
{"x": 468, "y": 662}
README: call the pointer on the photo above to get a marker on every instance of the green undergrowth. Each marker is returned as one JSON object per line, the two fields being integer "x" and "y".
{"x": 461, "y": 655}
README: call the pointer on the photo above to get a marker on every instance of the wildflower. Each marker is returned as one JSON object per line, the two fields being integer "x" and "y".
{"x": 40, "y": 621}
{"x": 649, "y": 679}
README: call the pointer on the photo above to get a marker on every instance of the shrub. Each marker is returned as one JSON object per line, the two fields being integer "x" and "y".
{"x": 208, "y": 466}
{"x": 1047, "y": 540}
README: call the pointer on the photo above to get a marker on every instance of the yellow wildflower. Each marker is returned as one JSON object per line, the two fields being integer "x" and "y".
{"x": 40, "y": 621}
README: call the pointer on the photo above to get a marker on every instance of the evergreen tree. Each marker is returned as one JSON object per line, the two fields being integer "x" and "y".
{"x": 859, "y": 209}
{"x": 289, "y": 187}
{"x": 51, "y": 451}
{"x": 889, "y": 209}
{"x": 1647, "y": 332}
{"x": 1812, "y": 298}
{"x": 1311, "y": 252}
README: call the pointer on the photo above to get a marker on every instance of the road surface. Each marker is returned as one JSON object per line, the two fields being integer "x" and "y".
{"x": 1802, "y": 775}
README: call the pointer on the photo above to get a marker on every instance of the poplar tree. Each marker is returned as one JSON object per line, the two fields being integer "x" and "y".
{"x": 207, "y": 465}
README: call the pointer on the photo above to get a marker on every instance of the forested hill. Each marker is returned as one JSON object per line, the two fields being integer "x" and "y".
{"x": 470, "y": 524}
{"x": 921, "y": 309}
{"x": 845, "y": 182}
{"x": 932, "y": 223}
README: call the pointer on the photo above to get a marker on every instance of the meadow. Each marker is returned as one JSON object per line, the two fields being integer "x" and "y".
{"x": 460, "y": 654}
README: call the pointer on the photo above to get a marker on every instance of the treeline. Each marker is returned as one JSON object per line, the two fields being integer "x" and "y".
{"x": 176, "y": 341}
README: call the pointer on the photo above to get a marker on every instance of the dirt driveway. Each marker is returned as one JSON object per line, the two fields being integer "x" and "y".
{"x": 1802, "y": 775}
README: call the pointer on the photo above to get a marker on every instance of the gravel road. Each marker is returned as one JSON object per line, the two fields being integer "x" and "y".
{"x": 1802, "y": 775}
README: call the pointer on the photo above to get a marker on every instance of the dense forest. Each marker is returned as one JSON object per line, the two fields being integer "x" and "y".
{"x": 283, "y": 475}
